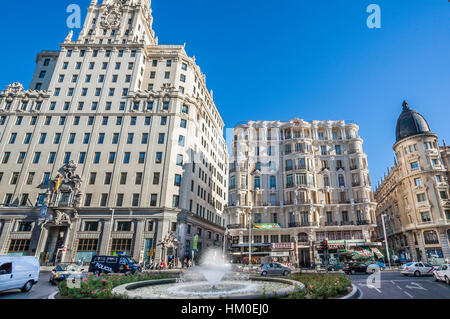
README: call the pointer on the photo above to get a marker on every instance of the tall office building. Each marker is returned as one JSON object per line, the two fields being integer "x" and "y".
{"x": 294, "y": 184}
{"x": 413, "y": 197}
{"x": 116, "y": 148}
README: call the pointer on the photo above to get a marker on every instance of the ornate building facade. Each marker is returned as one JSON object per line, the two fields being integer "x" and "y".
{"x": 413, "y": 197}
{"x": 296, "y": 183}
{"x": 116, "y": 146}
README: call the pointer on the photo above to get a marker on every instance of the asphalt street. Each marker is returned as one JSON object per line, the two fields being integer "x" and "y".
{"x": 39, "y": 291}
{"x": 394, "y": 285}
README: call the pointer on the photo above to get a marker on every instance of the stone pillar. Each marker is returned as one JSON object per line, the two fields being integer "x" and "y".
{"x": 42, "y": 240}
{"x": 444, "y": 243}
{"x": 7, "y": 228}
{"x": 106, "y": 237}
{"x": 139, "y": 239}
{"x": 420, "y": 242}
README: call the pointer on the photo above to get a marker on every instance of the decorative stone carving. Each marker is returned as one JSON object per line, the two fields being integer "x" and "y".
{"x": 169, "y": 241}
{"x": 112, "y": 15}
{"x": 61, "y": 218}
{"x": 68, "y": 193}
{"x": 69, "y": 37}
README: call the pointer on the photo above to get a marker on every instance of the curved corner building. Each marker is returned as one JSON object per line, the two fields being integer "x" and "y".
{"x": 294, "y": 184}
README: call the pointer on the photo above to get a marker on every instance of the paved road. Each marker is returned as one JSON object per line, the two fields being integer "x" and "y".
{"x": 393, "y": 285}
{"x": 39, "y": 291}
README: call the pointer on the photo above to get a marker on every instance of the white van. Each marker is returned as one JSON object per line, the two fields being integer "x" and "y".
{"x": 18, "y": 272}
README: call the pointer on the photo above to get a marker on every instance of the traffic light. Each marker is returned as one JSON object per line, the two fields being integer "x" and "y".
{"x": 325, "y": 244}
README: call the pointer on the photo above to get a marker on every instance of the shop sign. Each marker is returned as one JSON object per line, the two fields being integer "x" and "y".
{"x": 279, "y": 254}
{"x": 266, "y": 226}
{"x": 289, "y": 246}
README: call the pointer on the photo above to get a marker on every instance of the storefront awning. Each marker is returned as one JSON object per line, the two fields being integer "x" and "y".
{"x": 377, "y": 252}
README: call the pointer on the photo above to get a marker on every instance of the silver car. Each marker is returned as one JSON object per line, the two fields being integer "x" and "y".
{"x": 275, "y": 269}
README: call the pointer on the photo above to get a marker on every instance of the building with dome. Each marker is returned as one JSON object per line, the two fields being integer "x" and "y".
{"x": 413, "y": 196}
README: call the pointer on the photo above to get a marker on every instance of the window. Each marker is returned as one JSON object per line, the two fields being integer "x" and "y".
{"x": 25, "y": 226}
{"x": 177, "y": 180}
{"x": 443, "y": 194}
{"x": 104, "y": 200}
{"x": 183, "y": 124}
{"x": 141, "y": 158}
{"x": 51, "y": 158}
{"x": 126, "y": 158}
{"x": 37, "y": 156}
{"x": 144, "y": 139}
{"x": 88, "y": 200}
{"x": 135, "y": 201}
{"x": 180, "y": 160}
{"x": 425, "y": 216}
{"x": 185, "y": 109}
{"x": 67, "y": 157}
{"x": 138, "y": 180}
{"x": 88, "y": 245}
{"x": 123, "y": 226}
{"x": 414, "y": 165}
{"x": 421, "y": 197}
{"x": 181, "y": 140}
{"x": 430, "y": 237}
{"x": 163, "y": 120}
{"x": 123, "y": 178}
{"x": 108, "y": 178}
{"x": 19, "y": 245}
{"x": 418, "y": 181}
{"x": 97, "y": 157}
{"x": 92, "y": 178}
{"x": 90, "y": 226}
{"x": 112, "y": 158}
{"x": 119, "y": 201}
{"x": 161, "y": 138}
{"x": 156, "y": 178}
{"x": 153, "y": 200}
{"x": 130, "y": 138}
{"x": 176, "y": 201}
{"x": 158, "y": 159}
{"x": 82, "y": 158}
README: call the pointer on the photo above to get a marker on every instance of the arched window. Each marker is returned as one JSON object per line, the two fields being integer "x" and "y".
{"x": 430, "y": 237}
{"x": 303, "y": 237}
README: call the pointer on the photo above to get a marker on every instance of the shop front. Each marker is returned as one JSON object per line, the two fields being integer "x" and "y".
{"x": 283, "y": 253}
{"x": 342, "y": 251}
{"x": 240, "y": 255}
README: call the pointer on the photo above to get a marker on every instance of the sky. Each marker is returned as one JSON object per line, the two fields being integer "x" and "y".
{"x": 284, "y": 59}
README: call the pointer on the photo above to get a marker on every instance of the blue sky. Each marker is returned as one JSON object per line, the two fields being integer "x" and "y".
{"x": 281, "y": 59}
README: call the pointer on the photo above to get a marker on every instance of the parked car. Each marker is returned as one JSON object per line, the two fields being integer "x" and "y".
{"x": 66, "y": 272}
{"x": 442, "y": 273}
{"x": 274, "y": 269}
{"x": 359, "y": 267}
{"x": 338, "y": 266}
{"x": 18, "y": 273}
{"x": 381, "y": 264}
{"x": 113, "y": 264}
{"x": 417, "y": 269}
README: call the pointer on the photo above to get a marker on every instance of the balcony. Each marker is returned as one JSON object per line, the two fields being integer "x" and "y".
{"x": 331, "y": 224}
{"x": 363, "y": 222}
{"x": 352, "y": 168}
{"x": 347, "y": 223}
{"x": 356, "y": 184}
{"x": 293, "y": 225}
{"x": 289, "y": 185}
{"x": 236, "y": 226}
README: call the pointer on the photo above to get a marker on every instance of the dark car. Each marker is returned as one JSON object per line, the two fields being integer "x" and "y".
{"x": 355, "y": 267}
{"x": 63, "y": 272}
{"x": 113, "y": 264}
{"x": 336, "y": 267}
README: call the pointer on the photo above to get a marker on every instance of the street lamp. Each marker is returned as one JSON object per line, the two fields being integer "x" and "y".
{"x": 385, "y": 239}
{"x": 249, "y": 238}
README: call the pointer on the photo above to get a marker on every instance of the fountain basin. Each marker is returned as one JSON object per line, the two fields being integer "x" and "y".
{"x": 253, "y": 288}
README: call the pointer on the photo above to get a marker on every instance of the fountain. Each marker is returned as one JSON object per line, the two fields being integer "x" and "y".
{"x": 214, "y": 278}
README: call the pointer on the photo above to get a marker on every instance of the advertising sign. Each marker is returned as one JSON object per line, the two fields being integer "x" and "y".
{"x": 266, "y": 226}
{"x": 289, "y": 246}
{"x": 194, "y": 247}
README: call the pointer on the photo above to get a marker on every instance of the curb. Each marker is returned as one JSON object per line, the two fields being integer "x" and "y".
{"x": 354, "y": 294}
